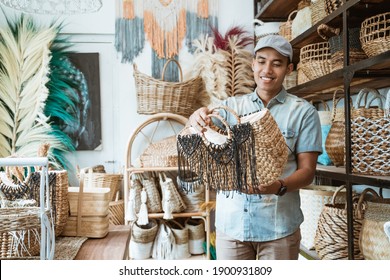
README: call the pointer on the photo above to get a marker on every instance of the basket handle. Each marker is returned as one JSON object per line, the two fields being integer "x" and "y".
{"x": 291, "y": 14}
{"x": 326, "y": 106}
{"x": 336, "y": 193}
{"x": 166, "y": 65}
{"x": 360, "y": 207}
{"x": 228, "y": 109}
{"x": 335, "y": 102}
{"x": 229, "y": 132}
{"x": 364, "y": 93}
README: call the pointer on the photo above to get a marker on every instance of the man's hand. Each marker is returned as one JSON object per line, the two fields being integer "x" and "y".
{"x": 199, "y": 119}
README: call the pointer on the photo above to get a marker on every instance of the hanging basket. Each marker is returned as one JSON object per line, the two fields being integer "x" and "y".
{"x": 159, "y": 96}
{"x": 375, "y": 34}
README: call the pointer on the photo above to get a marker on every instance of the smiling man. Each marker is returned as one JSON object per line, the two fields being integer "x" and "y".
{"x": 249, "y": 226}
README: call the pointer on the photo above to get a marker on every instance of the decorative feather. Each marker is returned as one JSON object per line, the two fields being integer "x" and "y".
{"x": 25, "y": 56}
{"x": 222, "y": 41}
{"x": 238, "y": 64}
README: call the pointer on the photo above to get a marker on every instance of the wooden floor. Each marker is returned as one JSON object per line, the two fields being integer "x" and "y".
{"x": 113, "y": 247}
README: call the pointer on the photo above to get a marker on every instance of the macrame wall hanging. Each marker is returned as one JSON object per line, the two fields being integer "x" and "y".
{"x": 164, "y": 24}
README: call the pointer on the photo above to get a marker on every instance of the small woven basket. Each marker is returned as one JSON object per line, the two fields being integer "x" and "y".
{"x": 335, "y": 141}
{"x": 331, "y": 238}
{"x": 375, "y": 34}
{"x": 290, "y": 80}
{"x": 285, "y": 28}
{"x": 141, "y": 241}
{"x": 162, "y": 153}
{"x": 159, "y": 96}
{"x": 196, "y": 236}
{"x": 370, "y": 135}
{"x": 315, "y": 60}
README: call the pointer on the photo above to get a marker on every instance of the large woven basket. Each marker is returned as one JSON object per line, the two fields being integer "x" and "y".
{"x": 159, "y": 96}
{"x": 58, "y": 186}
{"x": 318, "y": 11}
{"x": 331, "y": 238}
{"x": 104, "y": 180}
{"x": 313, "y": 199}
{"x": 370, "y": 135}
{"x": 375, "y": 34}
{"x": 315, "y": 60}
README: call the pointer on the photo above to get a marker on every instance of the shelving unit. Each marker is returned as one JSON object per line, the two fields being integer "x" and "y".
{"x": 130, "y": 169}
{"x": 372, "y": 72}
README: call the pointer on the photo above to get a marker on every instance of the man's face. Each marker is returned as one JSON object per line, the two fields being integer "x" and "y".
{"x": 269, "y": 69}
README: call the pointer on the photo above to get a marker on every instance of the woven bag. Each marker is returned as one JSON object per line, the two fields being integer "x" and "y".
{"x": 335, "y": 141}
{"x": 142, "y": 238}
{"x": 373, "y": 241}
{"x": 181, "y": 234}
{"x": 285, "y": 27}
{"x": 162, "y": 153}
{"x": 159, "y": 96}
{"x": 375, "y": 33}
{"x": 58, "y": 186}
{"x": 196, "y": 235}
{"x": 172, "y": 202}
{"x": 331, "y": 238}
{"x": 313, "y": 199}
{"x": 153, "y": 202}
{"x": 302, "y": 20}
{"x": 370, "y": 134}
{"x": 192, "y": 192}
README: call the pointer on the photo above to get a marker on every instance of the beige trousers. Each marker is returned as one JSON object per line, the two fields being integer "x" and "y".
{"x": 286, "y": 248}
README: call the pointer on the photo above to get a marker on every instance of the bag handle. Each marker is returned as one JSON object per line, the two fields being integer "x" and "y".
{"x": 291, "y": 14}
{"x": 335, "y": 102}
{"x": 326, "y": 106}
{"x": 166, "y": 65}
{"x": 336, "y": 193}
{"x": 364, "y": 93}
{"x": 360, "y": 208}
{"x": 227, "y": 109}
{"x": 229, "y": 132}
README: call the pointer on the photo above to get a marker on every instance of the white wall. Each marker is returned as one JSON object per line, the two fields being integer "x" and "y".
{"x": 95, "y": 33}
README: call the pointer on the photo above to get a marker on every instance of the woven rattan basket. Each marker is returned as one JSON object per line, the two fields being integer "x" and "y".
{"x": 285, "y": 27}
{"x": 141, "y": 241}
{"x": 315, "y": 60}
{"x": 331, "y": 238}
{"x": 370, "y": 134}
{"x": 20, "y": 232}
{"x": 159, "y": 96}
{"x": 375, "y": 34}
{"x": 104, "y": 180}
{"x": 116, "y": 212}
{"x": 333, "y": 5}
{"x": 162, "y": 153}
{"x": 335, "y": 141}
{"x": 313, "y": 199}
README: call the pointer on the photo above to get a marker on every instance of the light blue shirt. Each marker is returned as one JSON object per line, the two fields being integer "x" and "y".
{"x": 269, "y": 217}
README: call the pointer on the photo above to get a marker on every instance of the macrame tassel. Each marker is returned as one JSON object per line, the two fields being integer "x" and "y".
{"x": 167, "y": 205}
{"x": 203, "y": 8}
{"x": 143, "y": 211}
{"x": 130, "y": 213}
{"x": 128, "y": 9}
{"x": 164, "y": 243}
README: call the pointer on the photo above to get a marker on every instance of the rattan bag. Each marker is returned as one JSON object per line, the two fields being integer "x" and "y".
{"x": 370, "y": 134}
{"x": 373, "y": 241}
{"x": 313, "y": 199}
{"x": 159, "y": 96}
{"x": 285, "y": 27}
{"x": 331, "y": 238}
{"x": 172, "y": 202}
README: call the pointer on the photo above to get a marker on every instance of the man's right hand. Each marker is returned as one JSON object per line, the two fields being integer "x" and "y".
{"x": 199, "y": 119}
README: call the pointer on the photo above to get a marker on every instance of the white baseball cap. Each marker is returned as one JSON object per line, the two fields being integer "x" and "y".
{"x": 278, "y": 43}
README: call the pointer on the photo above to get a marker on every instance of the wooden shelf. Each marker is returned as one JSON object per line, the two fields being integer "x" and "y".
{"x": 273, "y": 11}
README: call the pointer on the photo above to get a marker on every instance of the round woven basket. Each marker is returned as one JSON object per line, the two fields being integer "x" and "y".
{"x": 196, "y": 235}
{"x": 375, "y": 34}
{"x": 142, "y": 238}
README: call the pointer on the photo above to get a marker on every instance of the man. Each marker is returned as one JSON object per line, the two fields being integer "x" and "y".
{"x": 267, "y": 227}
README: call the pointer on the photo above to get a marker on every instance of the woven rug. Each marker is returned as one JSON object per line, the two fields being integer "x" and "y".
{"x": 68, "y": 247}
